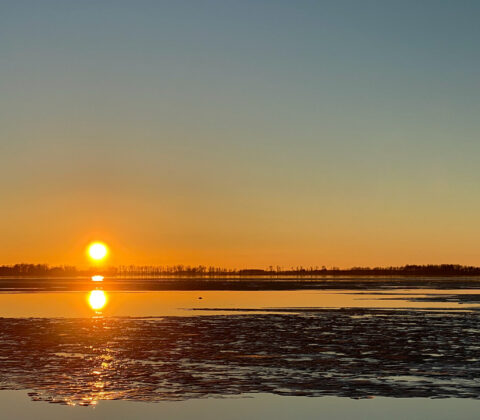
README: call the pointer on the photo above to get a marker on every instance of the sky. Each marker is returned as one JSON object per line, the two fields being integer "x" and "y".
{"x": 240, "y": 133}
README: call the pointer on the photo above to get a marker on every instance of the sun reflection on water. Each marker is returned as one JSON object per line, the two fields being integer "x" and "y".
{"x": 97, "y": 299}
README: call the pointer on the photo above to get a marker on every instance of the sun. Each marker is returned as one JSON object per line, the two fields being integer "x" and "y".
{"x": 97, "y": 251}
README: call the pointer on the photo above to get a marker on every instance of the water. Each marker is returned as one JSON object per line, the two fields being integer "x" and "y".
{"x": 261, "y": 406}
{"x": 199, "y": 353}
{"x": 187, "y": 303}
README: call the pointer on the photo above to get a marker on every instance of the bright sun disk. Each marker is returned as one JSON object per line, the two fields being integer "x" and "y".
{"x": 97, "y": 251}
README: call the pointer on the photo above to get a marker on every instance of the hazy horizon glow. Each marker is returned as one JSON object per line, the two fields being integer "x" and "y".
{"x": 240, "y": 134}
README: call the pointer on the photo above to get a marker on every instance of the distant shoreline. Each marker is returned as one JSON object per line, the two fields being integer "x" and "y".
{"x": 185, "y": 271}
{"x": 172, "y": 283}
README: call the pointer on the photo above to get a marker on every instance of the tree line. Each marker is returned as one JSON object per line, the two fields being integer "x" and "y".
{"x": 45, "y": 270}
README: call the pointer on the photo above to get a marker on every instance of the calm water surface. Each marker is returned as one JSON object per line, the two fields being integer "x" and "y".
{"x": 188, "y": 303}
{"x": 261, "y": 406}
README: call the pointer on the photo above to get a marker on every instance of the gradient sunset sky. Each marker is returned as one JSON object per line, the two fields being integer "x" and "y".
{"x": 240, "y": 133}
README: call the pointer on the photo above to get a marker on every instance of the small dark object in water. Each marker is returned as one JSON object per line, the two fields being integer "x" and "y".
{"x": 200, "y": 297}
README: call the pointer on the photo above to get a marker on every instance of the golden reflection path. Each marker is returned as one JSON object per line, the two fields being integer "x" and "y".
{"x": 103, "y": 359}
{"x": 97, "y": 298}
